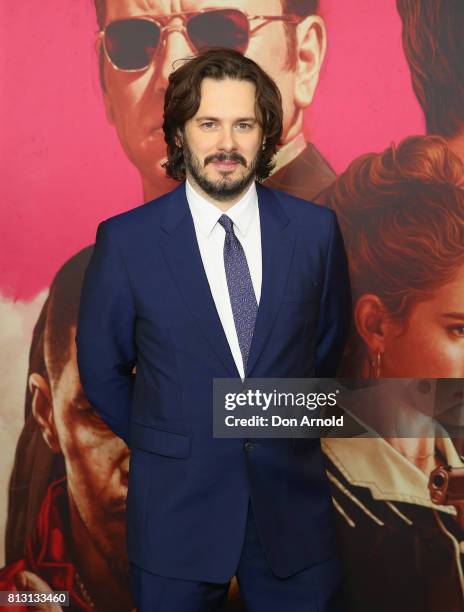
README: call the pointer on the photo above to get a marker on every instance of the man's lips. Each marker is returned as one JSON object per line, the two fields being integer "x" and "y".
{"x": 118, "y": 505}
{"x": 225, "y": 165}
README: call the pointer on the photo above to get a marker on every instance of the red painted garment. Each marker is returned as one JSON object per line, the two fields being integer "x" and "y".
{"x": 46, "y": 552}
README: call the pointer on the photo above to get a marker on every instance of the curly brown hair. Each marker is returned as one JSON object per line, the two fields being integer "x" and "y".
{"x": 401, "y": 213}
{"x": 183, "y": 96}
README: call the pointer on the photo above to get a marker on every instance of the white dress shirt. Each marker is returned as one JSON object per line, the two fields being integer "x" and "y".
{"x": 210, "y": 237}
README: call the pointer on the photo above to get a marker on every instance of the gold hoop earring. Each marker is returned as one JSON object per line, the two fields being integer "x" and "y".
{"x": 376, "y": 365}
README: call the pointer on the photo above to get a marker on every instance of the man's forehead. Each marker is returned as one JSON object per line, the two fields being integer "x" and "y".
{"x": 227, "y": 98}
{"x": 123, "y": 8}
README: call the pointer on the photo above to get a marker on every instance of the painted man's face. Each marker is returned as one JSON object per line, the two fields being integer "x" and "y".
{"x": 97, "y": 465}
{"x": 134, "y": 100}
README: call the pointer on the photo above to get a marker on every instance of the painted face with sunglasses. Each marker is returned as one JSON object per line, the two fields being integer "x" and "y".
{"x": 141, "y": 40}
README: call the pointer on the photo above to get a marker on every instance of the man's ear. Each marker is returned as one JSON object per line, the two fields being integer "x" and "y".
{"x": 311, "y": 44}
{"x": 179, "y": 139}
{"x": 42, "y": 410}
{"x": 372, "y": 323}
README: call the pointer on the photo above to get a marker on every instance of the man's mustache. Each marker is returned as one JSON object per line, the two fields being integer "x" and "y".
{"x": 222, "y": 157}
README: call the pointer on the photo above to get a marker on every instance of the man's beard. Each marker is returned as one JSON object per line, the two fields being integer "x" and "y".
{"x": 224, "y": 188}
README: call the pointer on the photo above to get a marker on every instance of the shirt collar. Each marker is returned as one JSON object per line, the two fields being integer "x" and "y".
{"x": 206, "y": 215}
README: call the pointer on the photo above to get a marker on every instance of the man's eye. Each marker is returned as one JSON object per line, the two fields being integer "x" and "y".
{"x": 244, "y": 126}
{"x": 208, "y": 124}
{"x": 457, "y": 330}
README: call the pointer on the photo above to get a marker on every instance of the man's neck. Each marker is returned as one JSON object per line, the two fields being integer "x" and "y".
{"x": 289, "y": 151}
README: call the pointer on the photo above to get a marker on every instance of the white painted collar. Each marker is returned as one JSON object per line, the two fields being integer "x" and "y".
{"x": 373, "y": 463}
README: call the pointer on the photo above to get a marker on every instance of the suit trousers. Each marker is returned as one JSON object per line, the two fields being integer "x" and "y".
{"x": 314, "y": 589}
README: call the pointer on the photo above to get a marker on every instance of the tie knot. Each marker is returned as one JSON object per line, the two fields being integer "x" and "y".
{"x": 226, "y": 223}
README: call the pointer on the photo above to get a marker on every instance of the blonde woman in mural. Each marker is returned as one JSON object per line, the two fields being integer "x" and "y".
{"x": 402, "y": 216}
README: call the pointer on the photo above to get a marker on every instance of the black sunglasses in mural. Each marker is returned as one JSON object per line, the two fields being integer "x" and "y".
{"x": 131, "y": 44}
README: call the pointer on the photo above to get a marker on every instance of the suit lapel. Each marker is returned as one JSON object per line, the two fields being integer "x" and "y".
{"x": 277, "y": 245}
{"x": 180, "y": 248}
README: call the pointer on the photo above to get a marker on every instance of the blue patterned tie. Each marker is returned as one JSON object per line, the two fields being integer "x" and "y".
{"x": 241, "y": 292}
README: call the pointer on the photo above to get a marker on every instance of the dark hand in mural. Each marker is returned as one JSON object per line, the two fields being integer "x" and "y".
{"x": 27, "y": 581}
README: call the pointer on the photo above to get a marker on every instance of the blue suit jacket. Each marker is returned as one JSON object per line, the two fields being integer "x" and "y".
{"x": 146, "y": 301}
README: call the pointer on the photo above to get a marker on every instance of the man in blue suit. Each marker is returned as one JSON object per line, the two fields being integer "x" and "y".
{"x": 219, "y": 278}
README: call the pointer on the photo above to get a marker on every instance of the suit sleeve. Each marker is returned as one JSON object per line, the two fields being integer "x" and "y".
{"x": 335, "y": 307}
{"x": 105, "y": 335}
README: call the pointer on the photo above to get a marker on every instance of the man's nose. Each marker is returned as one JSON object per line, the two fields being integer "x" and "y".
{"x": 174, "y": 47}
{"x": 125, "y": 465}
{"x": 226, "y": 141}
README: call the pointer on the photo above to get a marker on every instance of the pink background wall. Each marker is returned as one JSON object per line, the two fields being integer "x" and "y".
{"x": 61, "y": 166}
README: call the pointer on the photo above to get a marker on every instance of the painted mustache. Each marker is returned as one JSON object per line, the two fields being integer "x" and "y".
{"x": 222, "y": 157}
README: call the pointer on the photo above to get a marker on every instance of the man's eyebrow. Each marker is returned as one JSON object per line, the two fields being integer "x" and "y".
{"x": 238, "y": 120}
{"x": 453, "y": 315}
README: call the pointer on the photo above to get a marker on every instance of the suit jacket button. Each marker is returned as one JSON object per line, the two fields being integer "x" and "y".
{"x": 249, "y": 446}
